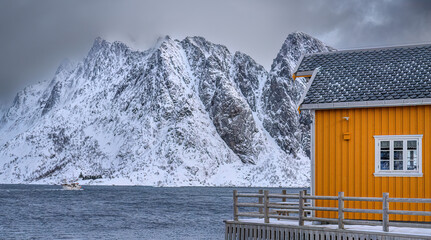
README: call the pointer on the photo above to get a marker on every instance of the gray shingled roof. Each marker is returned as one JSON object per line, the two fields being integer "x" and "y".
{"x": 369, "y": 74}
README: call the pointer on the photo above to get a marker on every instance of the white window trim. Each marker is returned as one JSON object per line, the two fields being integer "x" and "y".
{"x": 397, "y": 173}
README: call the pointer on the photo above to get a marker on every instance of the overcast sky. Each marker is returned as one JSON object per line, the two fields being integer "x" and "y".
{"x": 36, "y": 35}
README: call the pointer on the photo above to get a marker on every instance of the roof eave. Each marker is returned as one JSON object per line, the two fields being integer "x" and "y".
{"x": 297, "y": 66}
{"x": 310, "y": 81}
{"x": 368, "y": 104}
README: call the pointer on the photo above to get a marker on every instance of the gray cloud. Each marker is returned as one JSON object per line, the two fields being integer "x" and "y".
{"x": 36, "y": 35}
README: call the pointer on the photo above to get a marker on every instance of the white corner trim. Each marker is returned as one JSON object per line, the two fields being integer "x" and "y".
{"x": 298, "y": 63}
{"x": 310, "y": 81}
{"x": 313, "y": 155}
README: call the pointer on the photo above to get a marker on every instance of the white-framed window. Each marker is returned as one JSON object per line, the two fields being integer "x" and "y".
{"x": 398, "y": 155}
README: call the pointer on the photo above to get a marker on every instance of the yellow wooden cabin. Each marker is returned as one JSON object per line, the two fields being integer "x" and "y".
{"x": 371, "y": 130}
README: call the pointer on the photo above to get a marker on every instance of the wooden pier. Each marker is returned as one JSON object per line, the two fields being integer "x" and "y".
{"x": 296, "y": 219}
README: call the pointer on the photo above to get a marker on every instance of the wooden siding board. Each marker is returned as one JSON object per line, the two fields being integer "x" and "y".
{"x": 332, "y": 149}
{"x": 370, "y": 155}
{"x": 357, "y": 160}
{"x": 318, "y": 155}
{"x": 327, "y": 154}
{"x": 426, "y": 164}
{"x": 338, "y": 148}
{"x": 351, "y": 163}
{"x": 363, "y": 159}
{"x": 404, "y": 184}
{"x": 377, "y": 181}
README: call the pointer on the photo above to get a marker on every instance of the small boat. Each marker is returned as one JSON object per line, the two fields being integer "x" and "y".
{"x": 71, "y": 186}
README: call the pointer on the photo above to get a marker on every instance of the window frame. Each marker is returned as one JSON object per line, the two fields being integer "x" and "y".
{"x": 397, "y": 173}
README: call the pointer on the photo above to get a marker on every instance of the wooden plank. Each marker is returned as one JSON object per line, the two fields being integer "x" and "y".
{"x": 260, "y": 200}
{"x": 363, "y": 210}
{"x": 281, "y": 206}
{"x": 250, "y": 194}
{"x": 250, "y": 214}
{"x": 422, "y": 213}
{"x": 410, "y": 200}
{"x": 362, "y": 222}
{"x": 282, "y": 196}
{"x": 385, "y": 212}
{"x": 226, "y": 232}
{"x": 249, "y": 205}
{"x": 267, "y": 233}
{"x": 329, "y": 220}
{"x": 340, "y": 210}
{"x": 235, "y": 205}
{"x": 411, "y": 225}
{"x": 321, "y": 197}
{"x": 283, "y": 217}
{"x": 301, "y": 209}
{"x": 367, "y": 199}
{"x": 266, "y": 209}
{"x": 284, "y": 193}
{"x": 333, "y": 209}
{"x": 260, "y": 233}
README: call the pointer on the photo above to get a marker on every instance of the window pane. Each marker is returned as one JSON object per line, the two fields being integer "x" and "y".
{"x": 412, "y": 145}
{"x": 412, "y": 165}
{"x": 384, "y": 145}
{"x": 384, "y": 165}
{"x": 398, "y": 145}
{"x": 412, "y": 155}
{"x": 398, "y": 165}
{"x": 384, "y": 155}
{"x": 398, "y": 155}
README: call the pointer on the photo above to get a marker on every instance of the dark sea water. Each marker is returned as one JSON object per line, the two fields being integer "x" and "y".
{"x": 115, "y": 212}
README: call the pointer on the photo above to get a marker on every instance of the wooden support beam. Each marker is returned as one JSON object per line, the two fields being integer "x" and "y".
{"x": 301, "y": 208}
{"x": 385, "y": 215}
{"x": 266, "y": 209}
{"x": 260, "y": 200}
{"x": 340, "y": 210}
{"x": 235, "y": 205}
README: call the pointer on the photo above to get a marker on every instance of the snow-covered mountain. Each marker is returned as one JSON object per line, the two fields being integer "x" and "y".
{"x": 185, "y": 112}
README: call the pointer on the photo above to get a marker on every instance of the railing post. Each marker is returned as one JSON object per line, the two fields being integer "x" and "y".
{"x": 260, "y": 201}
{"x": 235, "y": 205}
{"x": 284, "y": 193}
{"x": 266, "y": 210}
{"x": 385, "y": 216}
{"x": 301, "y": 208}
{"x": 340, "y": 210}
{"x": 305, "y": 194}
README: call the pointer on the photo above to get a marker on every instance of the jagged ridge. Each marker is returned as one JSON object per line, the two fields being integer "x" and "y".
{"x": 182, "y": 113}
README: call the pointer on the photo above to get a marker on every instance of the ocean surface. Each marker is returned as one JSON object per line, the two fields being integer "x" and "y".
{"x": 116, "y": 212}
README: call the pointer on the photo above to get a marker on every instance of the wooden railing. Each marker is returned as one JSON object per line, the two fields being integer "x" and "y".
{"x": 268, "y": 209}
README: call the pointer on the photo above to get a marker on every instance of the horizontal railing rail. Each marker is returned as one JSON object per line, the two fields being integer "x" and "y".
{"x": 281, "y": 210}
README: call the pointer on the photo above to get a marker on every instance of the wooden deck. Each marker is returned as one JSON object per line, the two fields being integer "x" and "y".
{"x": 243, "y": 230}
{"x": 292, "y": 220}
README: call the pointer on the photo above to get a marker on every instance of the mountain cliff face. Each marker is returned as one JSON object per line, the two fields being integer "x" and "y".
{"x": 185, "y": 112}
{"x": 281, "y": 94}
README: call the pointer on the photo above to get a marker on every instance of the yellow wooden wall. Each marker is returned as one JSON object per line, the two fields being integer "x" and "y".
{"x": 348, "y": 166}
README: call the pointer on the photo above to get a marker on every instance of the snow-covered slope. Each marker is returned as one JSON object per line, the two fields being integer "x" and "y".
{"x": 185, "y": 112}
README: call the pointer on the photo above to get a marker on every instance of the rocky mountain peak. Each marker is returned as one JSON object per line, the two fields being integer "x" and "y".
{"x": 185, "y": 112}
{"x": 295, "y": 45}
{"x": 281, "y": 93}
{"x": 66, "y": 66}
